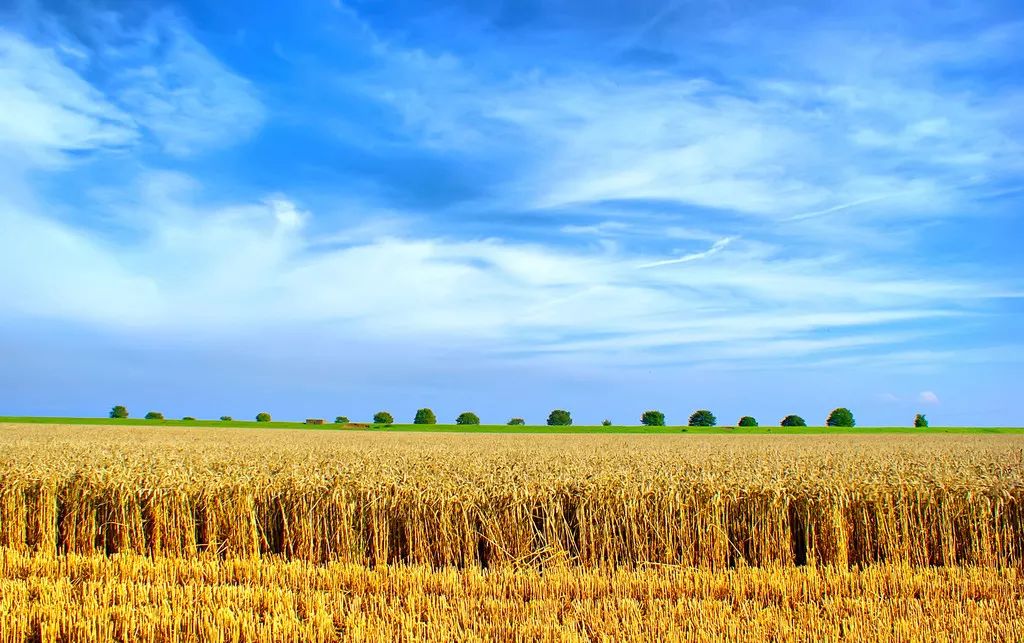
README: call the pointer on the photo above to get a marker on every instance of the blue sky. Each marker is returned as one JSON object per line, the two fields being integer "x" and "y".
{"x": 325, "y": 208}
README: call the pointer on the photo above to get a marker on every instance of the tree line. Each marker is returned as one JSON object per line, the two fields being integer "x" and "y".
{"x": 839, "y": 417}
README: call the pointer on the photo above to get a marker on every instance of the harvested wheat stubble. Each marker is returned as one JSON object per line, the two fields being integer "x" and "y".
{"x": 136, "y": 598}
{"x": 485, "y": 500}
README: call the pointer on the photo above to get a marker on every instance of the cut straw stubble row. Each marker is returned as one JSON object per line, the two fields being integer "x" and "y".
{"x": 137, "y": 598}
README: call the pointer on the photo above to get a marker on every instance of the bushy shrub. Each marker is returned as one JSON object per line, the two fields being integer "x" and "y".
{"x": 341, "y": 419}
{"x": 559, "y": 417}
{"x": 467, "y": 417}
{"x": 226, "y": 418}
{"x": 424, "y": 416}
{"x": 263, "y": 417}
{"x": 746, "y": 420}
{"x": 516, "y": 422}
{"x": 383, "y": 417}
{"x": 920, "y": 421}
{"x": 606, "y": 422}
{"x": 188, "y": 418}
{"x": 703, "y": 417}
{"x": 652, "y": 418}
{"x": 793, "y": 420}
{"x": 154, "y": 415}
{"x": 840, "y": 417}
{"x": 119, "y": 412}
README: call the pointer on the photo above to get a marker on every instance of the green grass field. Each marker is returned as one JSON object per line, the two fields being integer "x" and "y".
{"x": 501, "y": 428}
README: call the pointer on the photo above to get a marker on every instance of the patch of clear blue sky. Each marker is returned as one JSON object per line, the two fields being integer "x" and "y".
{"x": 336, "y": 207}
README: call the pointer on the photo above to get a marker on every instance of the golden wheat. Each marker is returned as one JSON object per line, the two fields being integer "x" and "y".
{"x": 713, "y": 501}
{"x": 134, "y": 598}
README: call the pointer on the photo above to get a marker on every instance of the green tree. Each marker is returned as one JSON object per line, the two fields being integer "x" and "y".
{"x": 920, "y": 421}
{"x": 154, "y": 415}
{"x": 383, "y": 417}
{"x": 341, "y": 419}
{"x": 559, "y": 417}
{"x": 516, "y": 422}
{"x": 840, "y": 417}
{"x": 188, "y": 418}
{"x": 606, "y": 422}
{"x": 225, "y": 418}
{"x": 652, "y": 418}
{"x": 263, "y": 417}
{"x": 703, "y": 417}
{"x": 424, "y": 416}
{"x": 793, "y": 420}
{"x": 746, "y": 420}
{"x": 467, "y": 417}
{"x": 119, "y": 412}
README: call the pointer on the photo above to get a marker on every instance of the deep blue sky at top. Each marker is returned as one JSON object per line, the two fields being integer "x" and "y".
{"x": 316, "y": 208}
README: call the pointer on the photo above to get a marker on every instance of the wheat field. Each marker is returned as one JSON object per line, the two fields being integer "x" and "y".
{"x": 120, "y": 533}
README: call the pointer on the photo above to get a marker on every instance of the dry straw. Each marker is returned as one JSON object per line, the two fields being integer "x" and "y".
{"x": 135, "y": 598}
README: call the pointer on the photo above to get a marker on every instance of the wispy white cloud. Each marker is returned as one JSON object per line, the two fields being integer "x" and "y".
{"x": 879, "y": 141}
{"x": 161, "y": 81}
{"x": 927, "y": 360}
{"x": 204, "y": 268}
{"x": 681, "y": 141}
{"x": 604, "y": 228}
{"x": 181, "y": 93}
{"x": 286, "y": 213}
{"x": 836, "y": 208}
{"x": 52, "y": 271}
{"x": 928, "y": 397}
{"x": 50, "y": 110}
{"x": 715, "y": 248}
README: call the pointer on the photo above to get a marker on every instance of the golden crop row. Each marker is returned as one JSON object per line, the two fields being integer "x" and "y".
{"x": 714, "y": 501}
{"x": 135, "y": 598}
